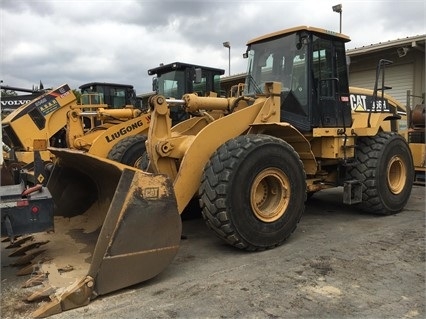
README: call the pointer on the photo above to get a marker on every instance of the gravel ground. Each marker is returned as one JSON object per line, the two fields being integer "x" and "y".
{"x": 339, "y": 263}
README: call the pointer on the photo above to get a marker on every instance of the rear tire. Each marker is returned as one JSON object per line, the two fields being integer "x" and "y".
{"x": 253, "y": 192}
{"x": 386, "y": 171}
{"x": 130, "y": 151}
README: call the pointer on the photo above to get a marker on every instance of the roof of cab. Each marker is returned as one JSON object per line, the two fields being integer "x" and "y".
{"x": 341, "y": 36}
{"x": 117, "y": 85}
{"x": 164, "y": 68}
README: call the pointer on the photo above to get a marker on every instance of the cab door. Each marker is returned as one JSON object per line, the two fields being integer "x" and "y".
{"x": 330, "y": 83}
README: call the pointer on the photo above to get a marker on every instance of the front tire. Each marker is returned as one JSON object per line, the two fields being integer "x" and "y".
{"x": 253, "y": 192}
{"x": 130, "y": 151}
{"x": 386, "y": 171}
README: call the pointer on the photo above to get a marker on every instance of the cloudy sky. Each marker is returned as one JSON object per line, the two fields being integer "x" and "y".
{"x": 80, "y": 41}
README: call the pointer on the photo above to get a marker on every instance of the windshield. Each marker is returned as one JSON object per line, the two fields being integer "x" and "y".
{"x": 171, "y": 84}
{"x": 280, "y": 60}
{"x": 176, "y": 83}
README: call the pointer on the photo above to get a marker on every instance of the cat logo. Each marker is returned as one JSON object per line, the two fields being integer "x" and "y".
{"x": 363, "y": 103}
{"x": 40, "y": 178}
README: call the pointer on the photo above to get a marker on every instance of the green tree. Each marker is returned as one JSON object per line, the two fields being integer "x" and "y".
{"x": 77, "y": 94}
{"x": 5, "y": 93}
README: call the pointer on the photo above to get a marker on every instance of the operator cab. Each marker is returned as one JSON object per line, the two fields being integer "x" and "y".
{"x": 310, "y": 64}
{"x": 176, "y": 79}
{"x": 116, "y": 96}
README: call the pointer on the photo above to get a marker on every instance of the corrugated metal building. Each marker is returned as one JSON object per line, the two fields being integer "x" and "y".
{"x": 406, "y": 73}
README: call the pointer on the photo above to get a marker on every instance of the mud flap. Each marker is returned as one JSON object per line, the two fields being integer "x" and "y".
{"x": 137, "y": 215}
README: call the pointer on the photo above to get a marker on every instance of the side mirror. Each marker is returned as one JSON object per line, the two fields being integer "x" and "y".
{"x": 155, "y": 85}
{"x": 197, "y": 75}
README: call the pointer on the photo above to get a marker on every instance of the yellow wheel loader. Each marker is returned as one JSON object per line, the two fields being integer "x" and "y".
{"x": 56, "y": 119}
{"x": 251, "y": 160}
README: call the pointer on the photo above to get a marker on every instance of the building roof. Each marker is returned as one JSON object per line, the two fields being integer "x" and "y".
{"x": 417, "y": 42}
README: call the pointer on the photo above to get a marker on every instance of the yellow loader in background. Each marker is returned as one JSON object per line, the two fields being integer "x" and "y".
{"x": 56, "y": 119}
{"x": 110, "y": 121}
{"x": 416, "y": 140}
{"x": 251, "y": 160}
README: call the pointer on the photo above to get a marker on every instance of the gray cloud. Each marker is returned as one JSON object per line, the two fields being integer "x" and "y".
{"x": 80, "y": 41}
{"x": 35, "y": 7}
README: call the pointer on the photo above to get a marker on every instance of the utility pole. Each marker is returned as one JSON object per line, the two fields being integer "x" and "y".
{"x": 227, "y": 44}
{"x": 338, "y": 8}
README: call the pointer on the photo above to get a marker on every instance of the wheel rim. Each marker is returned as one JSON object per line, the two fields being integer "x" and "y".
{"x": 396, "y": 174}
{"x": 270, "y": 195}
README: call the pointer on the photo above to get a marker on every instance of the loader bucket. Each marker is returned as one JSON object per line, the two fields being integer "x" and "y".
{"x": 115, "y": 226}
